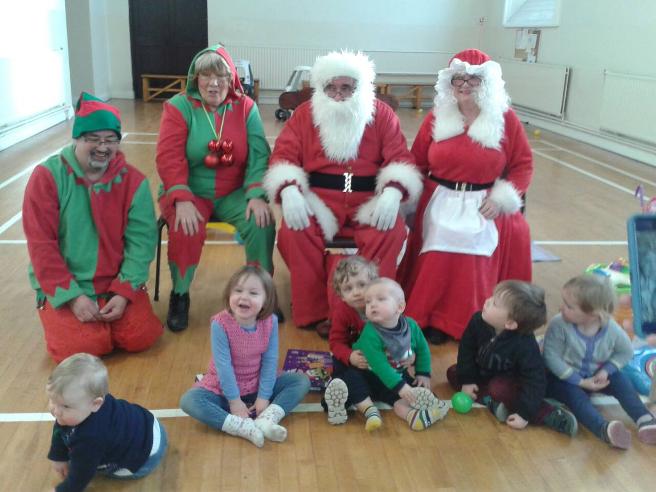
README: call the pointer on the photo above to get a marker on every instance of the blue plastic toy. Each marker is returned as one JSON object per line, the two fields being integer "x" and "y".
{"x": 641, "y": 369}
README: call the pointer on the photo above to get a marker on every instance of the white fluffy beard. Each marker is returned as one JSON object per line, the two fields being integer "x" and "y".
{"x": 341, "y": 124}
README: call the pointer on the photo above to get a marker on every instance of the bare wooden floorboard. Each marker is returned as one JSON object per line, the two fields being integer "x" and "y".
{"x": 574, "y": 199}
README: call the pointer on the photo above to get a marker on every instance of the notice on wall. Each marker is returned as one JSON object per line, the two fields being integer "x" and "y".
{"x": 527, "y": 42}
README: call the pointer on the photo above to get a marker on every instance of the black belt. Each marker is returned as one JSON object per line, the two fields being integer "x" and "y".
{"x": 345, "y": 182}
{"x": 461, "y": 186}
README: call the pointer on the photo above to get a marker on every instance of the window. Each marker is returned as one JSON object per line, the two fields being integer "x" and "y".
{"x": 531, "y": 13}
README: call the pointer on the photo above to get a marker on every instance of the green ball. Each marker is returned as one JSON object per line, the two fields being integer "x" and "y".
{"x": 461, "y": 402}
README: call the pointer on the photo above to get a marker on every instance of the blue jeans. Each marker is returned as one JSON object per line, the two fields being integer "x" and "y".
{"x": 578, "y": 400}
{"x": 212, "y": 409}
{"x": 152, "y": 461}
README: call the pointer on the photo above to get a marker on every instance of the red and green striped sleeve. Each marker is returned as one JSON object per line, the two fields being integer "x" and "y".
{"x": 258, "y": 155}
{"x": 140, "y": 242}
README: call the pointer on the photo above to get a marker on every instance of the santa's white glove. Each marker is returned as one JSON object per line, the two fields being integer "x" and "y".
{"x": 295, "y": 208}
{"x": 387, "y": 208}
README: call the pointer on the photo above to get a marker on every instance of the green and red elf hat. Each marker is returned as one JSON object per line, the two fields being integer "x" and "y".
{"x": 93, "y": 114}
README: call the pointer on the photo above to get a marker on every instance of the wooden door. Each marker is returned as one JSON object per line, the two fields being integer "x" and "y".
{"x": 165, "y": 35}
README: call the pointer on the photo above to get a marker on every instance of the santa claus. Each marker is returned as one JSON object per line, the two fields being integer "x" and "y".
{"x": 470, "y": 232}
{"x": 340, "y": 167}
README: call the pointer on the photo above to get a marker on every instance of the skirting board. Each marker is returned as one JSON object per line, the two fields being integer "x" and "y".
{"x": 24, "y": 131}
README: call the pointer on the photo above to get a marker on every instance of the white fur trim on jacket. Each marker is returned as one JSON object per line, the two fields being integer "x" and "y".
{"x": 506, "y": 196}
{"x": 284, "y": 172}
{"x": 404, "y": 173}
{"x": 492, "y": 99}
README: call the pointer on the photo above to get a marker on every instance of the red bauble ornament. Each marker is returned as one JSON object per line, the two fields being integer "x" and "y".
{"x": 212, "y": 160}
{"x": 213, "y": 145}
{"x": 226, "y": 146}
{"x": 226, "y": 159}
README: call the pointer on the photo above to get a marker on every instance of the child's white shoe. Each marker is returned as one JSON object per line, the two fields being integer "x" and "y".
{"x": 335, "y": 396}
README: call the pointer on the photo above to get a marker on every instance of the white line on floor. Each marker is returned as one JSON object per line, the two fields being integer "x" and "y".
{"x": 582, "y": 243}
{"x": 610, "y": 167}
{"x": 585, "y": 173}
{"x": 600, "y": 400}
{"x": 28, "y": 169}
{"x": 10, "y": 222}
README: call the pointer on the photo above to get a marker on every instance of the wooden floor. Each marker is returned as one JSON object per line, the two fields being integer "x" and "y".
{"x": 581, "y": 196}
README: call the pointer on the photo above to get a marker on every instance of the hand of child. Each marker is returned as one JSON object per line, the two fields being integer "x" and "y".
{"x": 516, "y": 421}
{"x": 423, "y": 382}
{"x": 259, "y": 406}
{"x": 61, "y": 468}
{"x": 407, "y": 394}
{"x": 239, "y": 408}
{"x": 357, "y": 359}
{"x": 591, "y": 385}
{"x": 601, "y": 377}
{"x": 471, "y": 390}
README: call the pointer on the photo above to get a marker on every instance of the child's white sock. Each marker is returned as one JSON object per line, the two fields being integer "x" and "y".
{"x": 268, "y": 420}
{"x": 246, "y": 428}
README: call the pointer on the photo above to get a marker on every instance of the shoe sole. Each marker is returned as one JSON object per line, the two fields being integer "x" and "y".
{"x": 647, "y": 434}
{"x": 335, "y": 396}
{"x": 618, "y": 435}
{"x": 424, "y": 398}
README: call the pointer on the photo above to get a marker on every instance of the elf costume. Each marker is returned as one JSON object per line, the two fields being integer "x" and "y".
{"x": 341, "y": 167}
{"x": 91, "y": 238}
{"x": 456, "y": 256}
{"x": 218, "y": 189}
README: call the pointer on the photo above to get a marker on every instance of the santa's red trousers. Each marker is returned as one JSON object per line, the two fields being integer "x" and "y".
{"x": 304, "y": 253}
{"x": 65, "y": 335}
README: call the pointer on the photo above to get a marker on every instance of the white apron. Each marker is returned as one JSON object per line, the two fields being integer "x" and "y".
{"x": 452, "y": 223}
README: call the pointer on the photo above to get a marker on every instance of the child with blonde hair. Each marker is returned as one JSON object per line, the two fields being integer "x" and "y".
{"x": 241, "y": 393}
{"x": 95, "y": 432}
{"x": 584, "y": 350}
{"x": 356, "y": 360}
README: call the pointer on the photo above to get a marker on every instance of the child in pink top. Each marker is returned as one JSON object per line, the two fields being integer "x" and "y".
{"x": 241, "y": 393}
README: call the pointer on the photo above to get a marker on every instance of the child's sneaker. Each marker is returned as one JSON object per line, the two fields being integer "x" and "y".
{"x": 335, "y": 397}
{"x": 424, "y": 398}
{"x": 498, "y": 409}
{"x": 647, "y": 431}
{"x": 560, "y": 419}
{"x": 617, "y": 435}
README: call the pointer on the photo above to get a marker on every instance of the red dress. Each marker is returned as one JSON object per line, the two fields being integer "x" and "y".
{"x": 444, "y": 289}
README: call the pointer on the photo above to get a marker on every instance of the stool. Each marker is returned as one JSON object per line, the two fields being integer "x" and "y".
{"x": 161, "y": 222}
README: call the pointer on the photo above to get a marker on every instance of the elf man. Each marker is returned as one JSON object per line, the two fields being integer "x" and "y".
{"x": 89, "y": 221}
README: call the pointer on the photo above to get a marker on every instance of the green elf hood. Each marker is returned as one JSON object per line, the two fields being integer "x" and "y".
{"x": 236, "y": 90}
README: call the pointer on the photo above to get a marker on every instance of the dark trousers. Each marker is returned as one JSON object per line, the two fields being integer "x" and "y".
{"x": 578, "y": 400}
{"x": 363, "y": 384}
{"x": 503, "y": 388}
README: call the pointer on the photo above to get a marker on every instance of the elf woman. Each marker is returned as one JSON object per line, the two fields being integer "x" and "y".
{"x": 211, "y": 156}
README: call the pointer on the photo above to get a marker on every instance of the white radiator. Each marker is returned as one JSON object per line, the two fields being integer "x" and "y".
{"x": 537, "y": 86}
{"x": 273, "y": 65}
{"x": 628, "y": 106}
